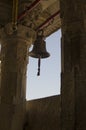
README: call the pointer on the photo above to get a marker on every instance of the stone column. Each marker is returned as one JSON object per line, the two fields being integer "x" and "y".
{"x": 14, "y": 60}
{"x": 73, "y": 90}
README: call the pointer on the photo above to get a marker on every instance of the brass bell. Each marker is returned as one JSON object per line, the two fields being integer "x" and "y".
{"x": 39, "y": 48}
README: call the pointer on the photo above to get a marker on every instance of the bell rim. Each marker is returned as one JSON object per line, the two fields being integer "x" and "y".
{"x": 41, "y": 55}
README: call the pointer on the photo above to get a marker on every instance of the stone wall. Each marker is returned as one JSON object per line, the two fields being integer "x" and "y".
{"x": 73, "y": 80}
{"x": 43, "y": 114}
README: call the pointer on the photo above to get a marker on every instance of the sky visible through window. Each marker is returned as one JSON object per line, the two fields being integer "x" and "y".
{"x": 48, "y": 83}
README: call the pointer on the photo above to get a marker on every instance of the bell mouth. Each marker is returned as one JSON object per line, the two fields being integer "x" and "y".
{"x": 39, "y": 55}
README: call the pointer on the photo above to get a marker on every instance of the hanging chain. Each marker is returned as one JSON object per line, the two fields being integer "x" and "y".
{"x": 15, "y": 14}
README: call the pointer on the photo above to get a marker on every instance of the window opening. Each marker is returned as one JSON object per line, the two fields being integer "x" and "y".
{"x": 48, "y": 83}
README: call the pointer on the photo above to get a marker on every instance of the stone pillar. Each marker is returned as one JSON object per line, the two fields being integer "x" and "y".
{"x": 73, "y": 90}
{"x": 14, "y": 60}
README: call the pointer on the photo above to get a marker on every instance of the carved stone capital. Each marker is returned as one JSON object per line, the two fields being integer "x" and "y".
{"x": 22, "y": 32}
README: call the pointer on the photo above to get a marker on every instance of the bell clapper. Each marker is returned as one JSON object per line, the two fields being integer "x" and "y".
{"x": 39, "y": 63}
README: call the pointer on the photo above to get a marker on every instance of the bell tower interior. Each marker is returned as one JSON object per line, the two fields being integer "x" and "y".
{"x": 21, "y": 22}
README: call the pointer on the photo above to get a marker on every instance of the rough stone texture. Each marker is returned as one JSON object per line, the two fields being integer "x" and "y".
{"x": 73, "y": 18}
{"x": 12, "y": 116}
{"x": 35, "y": 17}
{"x": 14, "y": 60}
{"x": 14, "y": 56}
{"x": 44, "y": 114}
{"x": 68, "y": 101}
{"x": 81, "y": 89}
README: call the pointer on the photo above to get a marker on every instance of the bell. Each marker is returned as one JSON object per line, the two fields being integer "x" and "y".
{"x": 39, "y": 48}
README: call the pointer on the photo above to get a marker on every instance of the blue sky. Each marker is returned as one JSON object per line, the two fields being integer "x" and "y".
{"x": 48, "y": 83}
